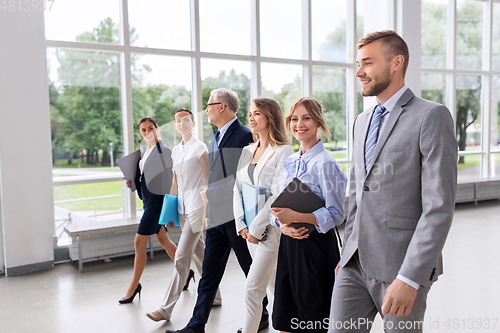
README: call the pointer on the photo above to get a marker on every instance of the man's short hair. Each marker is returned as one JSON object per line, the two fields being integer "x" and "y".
{"x": 228, "y": 97}
{"x": 394, "y": 45}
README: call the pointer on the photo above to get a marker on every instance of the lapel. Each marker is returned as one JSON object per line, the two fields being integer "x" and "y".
{"x": 263, "y": 160}
{"x": 153, "y": 151}
{"x": 224, "y": 140}
{"x": 363, "y": 121}
{"x": 389, "y": 125}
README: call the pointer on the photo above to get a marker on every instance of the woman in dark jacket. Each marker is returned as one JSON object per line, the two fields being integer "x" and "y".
{"x": 150, "y": 193}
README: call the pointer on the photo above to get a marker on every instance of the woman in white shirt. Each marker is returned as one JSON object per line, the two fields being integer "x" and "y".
{"x": 190, "y": 159}
{"x": 260, "y": 165}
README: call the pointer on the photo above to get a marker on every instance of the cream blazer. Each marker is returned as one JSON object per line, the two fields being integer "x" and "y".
{"x": 268, "y": 174}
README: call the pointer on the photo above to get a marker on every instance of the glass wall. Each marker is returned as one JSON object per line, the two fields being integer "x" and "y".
{"x": 465, "y": 81}
{"x": 102, "y": 83}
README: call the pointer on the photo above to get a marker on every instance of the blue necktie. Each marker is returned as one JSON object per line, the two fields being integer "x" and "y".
{"x": 217, "y": 135}
{"x": 371, "y": 139}
{"x": 215, "y": 144}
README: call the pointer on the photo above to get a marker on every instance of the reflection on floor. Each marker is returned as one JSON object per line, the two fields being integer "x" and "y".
{"x": 465, "y": 299}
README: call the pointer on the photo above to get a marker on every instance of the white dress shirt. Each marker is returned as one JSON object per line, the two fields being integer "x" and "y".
{"x": 189, "y": 174}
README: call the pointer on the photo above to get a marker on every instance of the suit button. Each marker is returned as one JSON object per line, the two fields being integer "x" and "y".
{"x": 366, "y": 188}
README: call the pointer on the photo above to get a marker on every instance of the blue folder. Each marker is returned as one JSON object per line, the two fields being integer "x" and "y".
{"x": 251, "y": 195}
{"x": 169, "y": 210}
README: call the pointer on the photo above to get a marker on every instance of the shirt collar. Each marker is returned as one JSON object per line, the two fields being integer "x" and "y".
{"x": 297, "y": 166}
{"x": 190, "y": 142}
{"x": 224, "y": 128}
{"x": 391, "y": 102}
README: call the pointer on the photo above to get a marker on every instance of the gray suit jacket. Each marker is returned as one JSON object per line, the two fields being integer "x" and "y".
{"x": 400, "y": 211}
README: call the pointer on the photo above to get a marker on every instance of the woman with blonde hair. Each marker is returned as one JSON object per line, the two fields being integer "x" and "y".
{"x": 260, "y": 165}
{"x": 307, "y": 261}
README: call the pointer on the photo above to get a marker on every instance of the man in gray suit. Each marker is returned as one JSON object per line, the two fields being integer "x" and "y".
{"x": 402, "y": 195}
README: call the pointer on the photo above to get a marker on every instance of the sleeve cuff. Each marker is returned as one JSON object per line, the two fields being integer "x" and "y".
{"x": 409, "y": 282}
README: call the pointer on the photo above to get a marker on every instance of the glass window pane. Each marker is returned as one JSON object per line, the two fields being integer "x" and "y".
{"x": 495, "y": 165}
{"x": 469, "y": 34}
{"x": 160, "y": 24}
{"x": 281, "y": 35}
{"x": 434, "y": 87}
{"x": 360, "y": 19}
{"x": 329, "y": 24}
{"x": 234, "y": 75}
{"x": 495, "y": 112}
{"x": 94, "y": 21}
{"x": 469, "y": 167}
{"x": 85, "y": 108}
{"x": 434, "y": 33}
{"x": 468, "y": 119}
{"x": 283, "y": 83}
{"x": 234, "y": 36}
{"x": 329, "y": 88}
{"x": 160, "y": 86}
{"x": 496, "y": 37}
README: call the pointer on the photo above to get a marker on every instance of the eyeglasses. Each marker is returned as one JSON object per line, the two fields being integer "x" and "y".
{"x": 209, "y": 104}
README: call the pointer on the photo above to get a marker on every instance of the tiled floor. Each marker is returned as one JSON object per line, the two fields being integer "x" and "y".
{"x": 465, "y": 299}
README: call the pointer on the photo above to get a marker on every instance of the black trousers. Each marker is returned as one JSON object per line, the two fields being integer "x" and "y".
{"x": 218, "y": 244}
{"x": 304, "y": 282}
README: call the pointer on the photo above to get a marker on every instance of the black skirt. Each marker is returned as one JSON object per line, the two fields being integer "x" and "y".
{"x": 149, "y": 221}
{"x": 304, "y": 282}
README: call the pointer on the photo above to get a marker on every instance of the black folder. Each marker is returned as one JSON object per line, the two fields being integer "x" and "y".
{"x": 300, "y": 198}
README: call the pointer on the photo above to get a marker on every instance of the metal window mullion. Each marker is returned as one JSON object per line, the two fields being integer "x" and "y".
{"x": 126, "y": 97}
{"x": 196, "y": 91}
{"x": 486, "y": 91}
{"x": 256, "y": 78}
{"x": 351, "y": 103}
{"x": 307, "y": 69}
{"x": 451, "y": 93}
{"x": 85, "y": 46}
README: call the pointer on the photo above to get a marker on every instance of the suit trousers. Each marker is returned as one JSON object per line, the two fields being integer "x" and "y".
{"x": 262, "y": 276}
{"x": 190, "y": 246}
{"x": 357, "y": 298}
{"x": 219, "y": 241}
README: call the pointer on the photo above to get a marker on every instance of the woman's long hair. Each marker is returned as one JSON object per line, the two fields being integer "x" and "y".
{"x": 276, "y": 127}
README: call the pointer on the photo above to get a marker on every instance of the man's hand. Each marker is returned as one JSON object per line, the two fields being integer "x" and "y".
{"x": 252, "y": 239}
{"x": 244, "y": 233}
{"x": 128, "y": 183}
{"x": 399, "y": 298}
{"x": 203, "y": 194}
{"x": 300, "y": 233}
{"x": 337, "y": 270}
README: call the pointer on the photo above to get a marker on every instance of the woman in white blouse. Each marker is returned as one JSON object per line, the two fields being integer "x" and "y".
{"x": 260, "y": 165}
{"x": 190, "y": 159}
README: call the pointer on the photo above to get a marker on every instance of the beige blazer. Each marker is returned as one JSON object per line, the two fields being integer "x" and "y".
{"x": 268, "y": 174}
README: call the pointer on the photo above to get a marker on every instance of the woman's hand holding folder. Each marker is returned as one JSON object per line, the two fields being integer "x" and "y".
{"x": 286, "y": 216}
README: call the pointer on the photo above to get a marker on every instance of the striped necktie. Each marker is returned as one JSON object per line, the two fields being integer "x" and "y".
{"x": 215, "y": 144}
{"x": 371, "y": 139}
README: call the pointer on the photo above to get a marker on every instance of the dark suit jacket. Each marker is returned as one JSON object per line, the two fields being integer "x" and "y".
{"x": 223, "y": 163}
{"x": 163, "y": 178}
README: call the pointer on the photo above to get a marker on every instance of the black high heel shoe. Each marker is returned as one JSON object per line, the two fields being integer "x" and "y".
{"x": 131, "y": 298}
{"x": 190, "y": 276}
